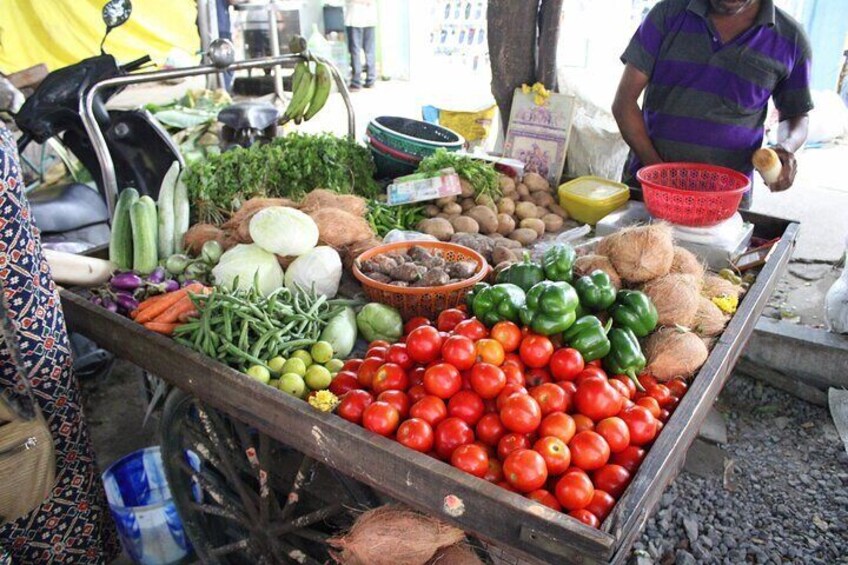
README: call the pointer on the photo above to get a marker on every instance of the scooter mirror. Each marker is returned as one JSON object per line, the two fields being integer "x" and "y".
{"x": 116, "y": 13}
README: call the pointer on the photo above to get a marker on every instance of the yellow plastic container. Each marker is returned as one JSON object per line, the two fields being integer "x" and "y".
{"x": 588, "y": 199}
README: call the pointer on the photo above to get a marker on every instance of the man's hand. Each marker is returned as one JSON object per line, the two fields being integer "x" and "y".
{"x": 787, "y": 172}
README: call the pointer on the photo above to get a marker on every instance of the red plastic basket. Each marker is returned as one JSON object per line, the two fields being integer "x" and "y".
{"x": 692, "y": 194}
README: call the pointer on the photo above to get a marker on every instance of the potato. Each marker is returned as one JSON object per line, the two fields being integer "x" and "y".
{"x": 452, "y": 208}
{"x": 486, "y": 200}
{"x": 526, "y": 210}
{"x": 509, "y": 243}
{"x": 442, "y": 202}
{"x": 506, "y": 206}
{"x": 467, "y": 204}
{"x": 552, "y": 222}
{"x": 464, "y": 224}
{"x": 506, "y": 183}
{"x": 543, "y": 198}
{"x": 502, "y": 253}
{"x": 467, "y": 189}
{"x": 431, "y": 210}
{"x": 558, "y": 210}
{"x": 485, "y": 217}
{"x": 443, "y": 215}
{"x": 439, "y": 228}
{"x": 523, "y": 190}
{"x": 540, "y": 211}
{"x": 506, "y": 224}
{"x": 534, "y": 224}
{"x": 536, "y": 182}
{"x": 525, "y": 236}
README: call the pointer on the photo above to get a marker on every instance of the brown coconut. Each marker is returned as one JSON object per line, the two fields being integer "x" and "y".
{"x": 672, "y": 352}
{"x": 714, "y": 286}
{"x": 685, "y": 263}
{"x": 641, "y": 253}
{"x": 709, "y": 319}
{"x": 198, "y": 234}
{"x": 676, "y": 298}
{"x": 321, "y": 198}
{"x": 459, "y": 554}
{"x": 393, "y": 535}
{"x": 251, "y": 207}
{"x": 588, "y": 263}
{"x": 338, "y": 228}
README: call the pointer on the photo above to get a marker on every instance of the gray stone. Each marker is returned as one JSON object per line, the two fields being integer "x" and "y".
{"x": 705, "y": 459}
{"x": 781, "y": 422}
{"x": 683, "y": 557}
{"x": 690, "y": 524}
{"x": 714, "y": 428}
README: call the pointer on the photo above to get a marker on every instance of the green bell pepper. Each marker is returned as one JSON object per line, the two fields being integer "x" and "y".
{"x": 471, "y": 294}
{"x": 497, "y": 303}
{"x": 588, "y": 336}
{"x": 524, "y": 274}
{"x": 635, "y": 311}
{"x": 595, "y": 290}
{"x": 625, "y": 356}
{"x": 550, "y": 308}
{"x": 558, "y": 262}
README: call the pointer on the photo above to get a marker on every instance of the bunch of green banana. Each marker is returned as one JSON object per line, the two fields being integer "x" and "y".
{"x": 309, "y": 91}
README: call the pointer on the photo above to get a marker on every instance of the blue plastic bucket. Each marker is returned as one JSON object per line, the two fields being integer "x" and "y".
{"x": 140, "y": 501}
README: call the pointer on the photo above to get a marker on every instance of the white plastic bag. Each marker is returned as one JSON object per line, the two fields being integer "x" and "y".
{"x": 395, "y": 236}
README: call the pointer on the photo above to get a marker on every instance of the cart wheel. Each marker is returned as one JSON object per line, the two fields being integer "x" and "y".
{"x": 244, "y": 497}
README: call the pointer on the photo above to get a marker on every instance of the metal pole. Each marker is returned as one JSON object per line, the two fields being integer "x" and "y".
{"x": 275, "y": 49}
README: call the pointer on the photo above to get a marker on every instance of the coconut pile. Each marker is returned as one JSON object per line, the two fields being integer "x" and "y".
{"x": 693, "y": 305}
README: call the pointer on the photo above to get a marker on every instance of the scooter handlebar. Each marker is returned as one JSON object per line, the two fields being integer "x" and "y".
{"x": 137, "y": 64}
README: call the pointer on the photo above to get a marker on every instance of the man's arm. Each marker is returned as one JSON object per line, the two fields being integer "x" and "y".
{"x": 791, "y": 135}
{"x": 628, "y": 115}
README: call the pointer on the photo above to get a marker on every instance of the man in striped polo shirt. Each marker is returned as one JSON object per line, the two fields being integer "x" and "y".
{"x": 710, "y": 67}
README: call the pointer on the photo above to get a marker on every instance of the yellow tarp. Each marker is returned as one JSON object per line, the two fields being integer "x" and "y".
{"x": 61, "y": 32}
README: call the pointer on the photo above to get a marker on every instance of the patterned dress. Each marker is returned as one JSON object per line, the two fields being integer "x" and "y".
{"x": 73, "y": 525}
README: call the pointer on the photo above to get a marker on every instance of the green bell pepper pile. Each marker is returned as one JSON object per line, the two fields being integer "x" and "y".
{"x": 558, "y": 262}
{"x": 497, "y": 303}
{"x": 550, "y": 307}
{"x": 588, "y": 336}
{"x": 595, "y": 290}
{"x": 635, "y": 311}
{"x": 625, "y": 356}
{"x": 475, "y": 290}
{"x": 524, "y": 274}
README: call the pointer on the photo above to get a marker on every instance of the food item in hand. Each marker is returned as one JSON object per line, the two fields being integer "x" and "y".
{"x": 635, "y": 311}
{"x": 439, "y": 228}
{"x": 525, "y": 236}
{"x": 550, "y": 308}
{"x": 766, "y": 161}
{"x": 379, "y": 321}
{"x": 709, "y": 319}
{"x": 675, "y": 297}
{"x": 534, "y": 224}
{"x": 640, "y": 254}
{"x": 525, "y": 274}
{"x": 672, "y": 352}
{"x": 589, "y": 263}
{"x": 685, "y": 263}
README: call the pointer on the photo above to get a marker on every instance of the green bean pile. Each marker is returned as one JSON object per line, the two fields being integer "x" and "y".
{"x": 384, "y": 218}
{"x": 243, "y": 328}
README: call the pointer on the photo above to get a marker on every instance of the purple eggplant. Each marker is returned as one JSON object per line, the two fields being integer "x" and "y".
{"x": 157, "y": 276}
{"x": 126, "y": 281}
{"x": 97, "y": 301}
{"x": 170, "y": 285}
{"x": 126, "y": 301}
{"x": 110, "y": 305}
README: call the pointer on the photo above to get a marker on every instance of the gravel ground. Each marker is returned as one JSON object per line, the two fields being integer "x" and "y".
{"x": 784, "y": 499}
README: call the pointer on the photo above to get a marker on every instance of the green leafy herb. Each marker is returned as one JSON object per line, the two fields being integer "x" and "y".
{"x": 384, "y": 218}
{"x": 481, "y": 175}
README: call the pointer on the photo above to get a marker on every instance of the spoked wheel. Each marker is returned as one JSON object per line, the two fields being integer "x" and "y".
{"x": 245, "y": 498}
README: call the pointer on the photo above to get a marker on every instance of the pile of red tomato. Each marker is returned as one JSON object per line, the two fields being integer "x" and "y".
{"x": 510, "y": 407}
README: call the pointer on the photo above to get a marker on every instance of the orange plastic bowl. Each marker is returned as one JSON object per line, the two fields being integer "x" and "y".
{"x": 427, "y": 301}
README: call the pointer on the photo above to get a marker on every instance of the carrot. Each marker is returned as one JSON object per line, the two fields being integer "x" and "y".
{"x": 148, "y": 302}
{"x": 168, "y": 300}
{"x": 172, "y": 314}
{"x": 188, "y": 316}
{"x": 161, "y": 328}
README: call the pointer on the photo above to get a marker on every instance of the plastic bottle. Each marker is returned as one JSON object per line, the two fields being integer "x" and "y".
{"x": 836, "y": 301}
{"x": 318, "y": 44}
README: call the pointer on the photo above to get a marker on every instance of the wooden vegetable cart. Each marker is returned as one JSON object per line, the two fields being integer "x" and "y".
{"x": 273, "y": 470}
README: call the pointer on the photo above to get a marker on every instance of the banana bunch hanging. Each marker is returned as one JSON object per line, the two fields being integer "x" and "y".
{"x": 311, "y": 83}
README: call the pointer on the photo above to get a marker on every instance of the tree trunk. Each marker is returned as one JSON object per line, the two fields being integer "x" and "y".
{"x": 546, "y": 71}
{"x": 512, "y": 45}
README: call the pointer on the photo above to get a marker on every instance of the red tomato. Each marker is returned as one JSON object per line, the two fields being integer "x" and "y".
{"x": 589, "y": 371}
{"x": 556, "y": 454}
{"x": 551, "y": 398}
{"x": 416, "y": 376}
{"x": 460, "y": 352}
{"x": 472, "y": 328}
{"x": 490, "y": 451}
{"x": 343, "y": 382}
{"x": 583, "y": 423}
{"x": 431, "y": 409}
{"x": 630, "y": 458}
{"x": 544, "y": 497}
{"x": 490, "y": 430}
{"x": 566, "y": 364}
{"x": 621, "y": 388}
{"x": 513, "y": 374}
{"x": 381, "y": 418}
{"x": 664, "y": 416}
{"x": 471, "y": 458}
{"x": 416, "y": 393}
{"x": 602, "y": 503}
{"x": 415, "y": 322}
{"x": 448, "y": 319}
{"x": 416, "y": 434}
{"x": 570, "y": 387}
{"x": 537, "y": 376}
{"x": 389, "y": 377}
{"x": 525, "y": 470}
{"x": 450, "y": 434}
{"x": 508, "y": 334}
{"x": 536, "y": 350}
{"x": 508, "y": 390}
{"x": 558, "y": 425}
{"x": 467, "y": 406}
{"x": 490, "y": 351}
{"x": 442, "y": 380}
{"x": 661, "y": 393}
{"x": 574, "y": 490}
{"x": 627, "y": 382}
{"x": 642, "y": 424}
{"x": 651, "y": 404}
{"x": 486, "y": 379}
{"x": 589, "y": 450}
{"x": 647, "y": 380}
{"x": 424, "y": 344}
{"x": 586, "y": 517}
{"x": 612, "y": 479}
{"x": 398, "y": 354}
{"x": 510, "y": 443}
{"x": 398, "y": 399}
{"x": 595, "y": 363}
{"x": 352, "y": 365}
{"x": 515, "y": 360}
{"x": 677, "y": 387}
{"x": 615, "y": 432}
{"x": 521, "y": 414}
{"x": 494, "y": 474}
{"x": 596, "y": 399}
{"x": 366, "y": 371}
{"x": 377, "y": 351}
{"x": 353, "y": 404}
{"x": 506, "y": 485}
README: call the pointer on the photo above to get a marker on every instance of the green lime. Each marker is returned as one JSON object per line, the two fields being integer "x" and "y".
{"x": 334, "y": 365}
{"x": 303, "y": 355}
{"x": 274, "y": 383}
{"x": 259, "y": 373}
{"x": 318, "y": 377}
{"x": 276, "y": 364}
{"x": 292, "y": 383}
{"x": 294, "y": 365}
{"x": 322, "y": 352}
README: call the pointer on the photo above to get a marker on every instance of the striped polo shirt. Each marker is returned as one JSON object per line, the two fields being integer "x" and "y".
{"x": 706, "y": 100}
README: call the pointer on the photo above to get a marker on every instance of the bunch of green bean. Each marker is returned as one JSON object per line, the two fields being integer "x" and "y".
{"x": 384, "y": 218}
{"x": 243, "y": 328}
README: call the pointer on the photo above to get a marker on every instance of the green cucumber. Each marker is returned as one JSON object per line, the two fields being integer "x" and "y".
{"x": 166, "y": 211}
{"x": 181, "y": 214}
{"x": 145, "y": 232}
{"x": 121, "y": 239}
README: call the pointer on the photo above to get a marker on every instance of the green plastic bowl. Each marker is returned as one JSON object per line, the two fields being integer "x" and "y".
{"x": 413, "y": 137}
{"x": 389, "y": 167}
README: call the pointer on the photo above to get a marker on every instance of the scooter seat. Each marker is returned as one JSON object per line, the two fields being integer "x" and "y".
{"x": 67, "y": 207}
